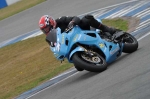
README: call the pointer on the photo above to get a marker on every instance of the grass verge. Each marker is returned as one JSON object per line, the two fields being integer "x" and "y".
{"x": 118, "y": 23}
{"x": 26, "y": 64}
{"x": 18, "y": 7}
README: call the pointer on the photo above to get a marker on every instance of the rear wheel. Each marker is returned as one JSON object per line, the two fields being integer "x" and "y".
{"x": 90, "y": 61}
{"x": 130, "y": 43}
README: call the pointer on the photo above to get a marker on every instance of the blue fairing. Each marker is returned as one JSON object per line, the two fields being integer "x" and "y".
{"x": 65, "y": 42}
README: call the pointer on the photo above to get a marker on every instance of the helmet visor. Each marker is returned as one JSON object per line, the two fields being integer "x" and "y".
{"x": 47, "y": 29}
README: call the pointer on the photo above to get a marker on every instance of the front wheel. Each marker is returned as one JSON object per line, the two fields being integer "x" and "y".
{"x": 130, "y": 43}
{"x": 90, "y": 61}
{"x": 78, "y": 68}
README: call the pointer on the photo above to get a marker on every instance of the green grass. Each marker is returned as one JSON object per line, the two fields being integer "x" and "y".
{"x": 18, "y": 7}
{"x": 27, "y": 64}
{"x": 117, "y": 23}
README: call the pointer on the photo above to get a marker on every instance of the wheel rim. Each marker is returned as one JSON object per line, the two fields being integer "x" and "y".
{"x": 128, "y": 39}
{"x": 92, "y": 57}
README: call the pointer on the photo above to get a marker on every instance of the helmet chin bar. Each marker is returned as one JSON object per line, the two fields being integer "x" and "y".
{"x": 47, "y": 29}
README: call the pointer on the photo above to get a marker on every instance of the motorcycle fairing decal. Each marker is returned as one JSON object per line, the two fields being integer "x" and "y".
{"x": 101, "y": 45}
{"x": 63, "y": 39}
{"x": 58, "y": 47}
{"x": 75, "y": 37}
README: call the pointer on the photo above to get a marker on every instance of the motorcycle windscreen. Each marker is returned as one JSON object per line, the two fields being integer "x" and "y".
{"x": 52, "y": 36}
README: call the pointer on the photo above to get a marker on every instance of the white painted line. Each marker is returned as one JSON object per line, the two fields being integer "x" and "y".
{"x": 132, "y": 8}
{"x": 33, "y": 35}
{"x": 144, "y": 22}
{"x": 52, "y": 85}
{"x": 140, "y": 28}
{"x": 139, "y": 13}
{"x": 62, "y": 74}
{"x": 129, "y": 9}
{"x": 142, "y": 25}
{"x": 144, "y": 14}
{"x": 117, "y": 13}
{"x": 99, "y": 13}
{"x": 143, "y": 36}
{"x": 109, "y": 7}
{"x": 18, "y": 36}
{"x": 106, "y": 12}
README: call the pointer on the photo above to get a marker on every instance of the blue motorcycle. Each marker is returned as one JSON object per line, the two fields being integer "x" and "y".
{"x": 90, "y": 50}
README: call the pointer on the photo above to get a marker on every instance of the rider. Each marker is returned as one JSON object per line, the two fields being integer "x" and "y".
{"x": 46, "y": 23}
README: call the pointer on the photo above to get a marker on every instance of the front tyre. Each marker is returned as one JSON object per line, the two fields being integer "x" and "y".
{"x": 92, "y": 61}
{"x": 130, "y": 43}
{"x": 78, "y": 68}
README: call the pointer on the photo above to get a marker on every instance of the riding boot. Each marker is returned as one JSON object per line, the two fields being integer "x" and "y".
{"x": 105, "y": 28}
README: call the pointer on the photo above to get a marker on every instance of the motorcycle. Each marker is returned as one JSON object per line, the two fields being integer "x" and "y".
{"x": 90, "y": 50}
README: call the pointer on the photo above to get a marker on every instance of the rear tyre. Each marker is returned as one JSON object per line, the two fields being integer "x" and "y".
{"x": 130, "y": 43}
{"x": 92, "y": 61}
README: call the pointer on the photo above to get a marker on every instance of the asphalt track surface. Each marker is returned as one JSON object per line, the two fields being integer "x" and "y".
{"x": 127, "y": 78}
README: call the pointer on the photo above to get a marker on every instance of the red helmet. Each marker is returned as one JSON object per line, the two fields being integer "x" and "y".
{"x": 46, "y": 23}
